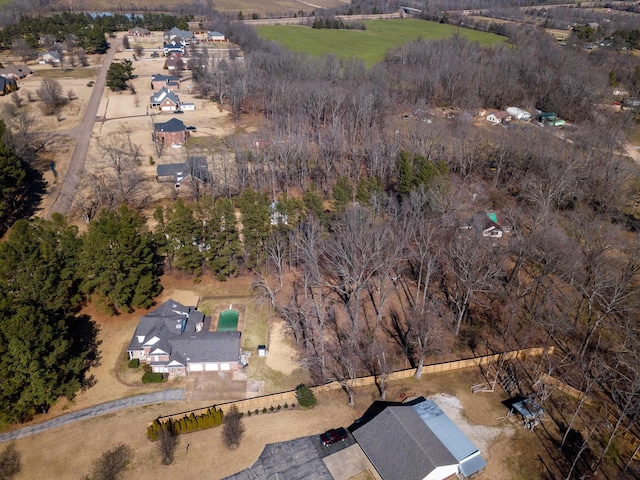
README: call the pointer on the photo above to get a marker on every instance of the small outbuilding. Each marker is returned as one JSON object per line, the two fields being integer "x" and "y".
{"x": 499, "y": 117}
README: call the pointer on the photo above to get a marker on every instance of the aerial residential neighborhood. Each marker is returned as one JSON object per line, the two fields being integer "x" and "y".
{"x": 340, "y": 241}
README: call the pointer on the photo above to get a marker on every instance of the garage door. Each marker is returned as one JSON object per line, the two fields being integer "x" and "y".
{"x": 211, "y": 367}
{"x": 195, "y": 367}
{"x": 225, "y": 366}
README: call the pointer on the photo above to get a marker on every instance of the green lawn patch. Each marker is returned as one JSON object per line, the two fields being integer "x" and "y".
{"x": 369, "y": 45}
{"x": 150, "y": 377}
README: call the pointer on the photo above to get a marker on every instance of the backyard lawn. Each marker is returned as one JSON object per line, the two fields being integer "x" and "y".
{"x": 369, "y": 45}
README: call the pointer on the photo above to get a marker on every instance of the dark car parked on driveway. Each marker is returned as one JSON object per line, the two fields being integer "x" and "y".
{"x": 333, "y": 436}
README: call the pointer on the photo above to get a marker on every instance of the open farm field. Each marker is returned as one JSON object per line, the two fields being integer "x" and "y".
{"x": 371, "y": 44}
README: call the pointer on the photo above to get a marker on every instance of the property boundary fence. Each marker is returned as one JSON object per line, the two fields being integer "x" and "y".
{"x": 601, "y": 408}
{"x": 267, "y": 401}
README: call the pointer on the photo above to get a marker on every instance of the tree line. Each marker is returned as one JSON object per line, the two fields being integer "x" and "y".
{"x": 88, "y": 30}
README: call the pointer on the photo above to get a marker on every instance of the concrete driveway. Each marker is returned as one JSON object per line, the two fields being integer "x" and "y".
{"x": 216, "y": 387}
{"x": 170, "y": 395}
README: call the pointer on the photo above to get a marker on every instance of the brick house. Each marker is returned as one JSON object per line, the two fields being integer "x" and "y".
{"x": 172, "y": 133}
{"x": 176, "y": 339}
{"x": 165, "y": 100}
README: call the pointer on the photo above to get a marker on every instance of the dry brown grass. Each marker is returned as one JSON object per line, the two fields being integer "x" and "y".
{"x": 265, "y": 7}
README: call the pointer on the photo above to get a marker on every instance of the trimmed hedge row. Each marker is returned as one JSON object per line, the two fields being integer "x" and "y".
{"x": 187, "y": 424}
{"x": 271, "y": 409}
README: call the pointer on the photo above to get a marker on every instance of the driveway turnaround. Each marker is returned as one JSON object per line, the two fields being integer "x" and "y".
{"x": 294, "y": 460}
{"x": 169, "y": 395}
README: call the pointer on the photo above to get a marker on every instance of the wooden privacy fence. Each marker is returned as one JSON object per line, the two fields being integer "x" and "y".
{"x": 273, "y": 400}
{"x": 577, "y": 394}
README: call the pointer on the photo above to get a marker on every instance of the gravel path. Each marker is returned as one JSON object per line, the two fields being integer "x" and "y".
{"x": 82, "y": 135}
{"x": 169, "y": 395}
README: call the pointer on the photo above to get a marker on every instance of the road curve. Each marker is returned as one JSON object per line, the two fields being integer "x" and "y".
{"x": 169, "y": 395}
{"x": 82, "y": 135}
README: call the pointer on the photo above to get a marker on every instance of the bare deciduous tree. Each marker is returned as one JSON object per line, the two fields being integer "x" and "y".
{"x": 50, "y": 94}
{"x": 168, "y": 441}
{"x": 232, "y": 428}
{"x": 112, "y": 463}
{"x": 471, "y": 270}
{"x": 10, "y": 462}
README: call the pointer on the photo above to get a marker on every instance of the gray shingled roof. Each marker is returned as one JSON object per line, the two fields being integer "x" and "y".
{"x": 158, "y": 77}
{"x": 416, "y": 449}
{"x": 173, "y": 125}
{"x": 161, "y": 95}
{"x": 174, "y": 325}
{"x": 207, "y": 347}
{"x": 423, "y": 439}
{"x": 171, "y": 169}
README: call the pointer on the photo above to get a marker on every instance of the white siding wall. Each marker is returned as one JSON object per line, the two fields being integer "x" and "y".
{"x": 441, "y": 473}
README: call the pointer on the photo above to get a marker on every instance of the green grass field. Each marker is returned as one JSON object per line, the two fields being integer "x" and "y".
{"x": 371, "y": 44}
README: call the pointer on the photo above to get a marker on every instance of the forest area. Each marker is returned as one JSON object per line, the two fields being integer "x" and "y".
{"x": 365, "y": 230}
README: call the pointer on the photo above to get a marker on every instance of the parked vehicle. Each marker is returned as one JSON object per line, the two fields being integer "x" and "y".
{"x": 333, "y": 436}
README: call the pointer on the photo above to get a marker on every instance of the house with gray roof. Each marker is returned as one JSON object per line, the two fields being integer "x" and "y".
{"x": 165, "y": 100}
{"x": 195, "y": 167}
{"x": 175, "y": 32}
{"x": 176, "y": 339}
{"x": 172, "y": 133}
{"x": 416, "y": 441}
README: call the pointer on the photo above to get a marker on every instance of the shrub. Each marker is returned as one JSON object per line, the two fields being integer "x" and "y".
{"x": 249, "y": 413}
{"x": 134, "y": 363}
{"x": 264, "y": 410}
{"x": 286, "y": 405}
{"x": 305, "y": 396}
{"x": 151, "y": 160}
{"x": 257, "y": 411}
{"x": 278, "y": 407}
{"x": 150, "y": 377}
{"x": 90, "y": 84}
{"x": 271, "y": 409}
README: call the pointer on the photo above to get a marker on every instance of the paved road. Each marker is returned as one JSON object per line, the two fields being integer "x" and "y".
{"x": 169, "y": 395}
{"x": 82, "y": 136}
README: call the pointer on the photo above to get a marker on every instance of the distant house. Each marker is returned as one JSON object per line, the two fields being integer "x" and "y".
{"x": 176, "y": 339}
{"x": 174, "y": 47}
{"x": 139, "y": 32}
{"x": 176, "y": 32}
{"x": 275, "y": 216}
{"x": 172, "y": 133}
{"x": 499, "y": 117}
{"x": 175, "y": 62}
{"x": 495, "y": 225}
{"x": 631, "y": 104}
{"x": 216, "y": 37}
{"x": 17, "y": 72}
{"x": 52, "y": 58}
{"x": 165, "y": 100}
{"x": 7, "y": 85}
{"x": 415, "y": 441}
{"x": 158, "y": 81}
